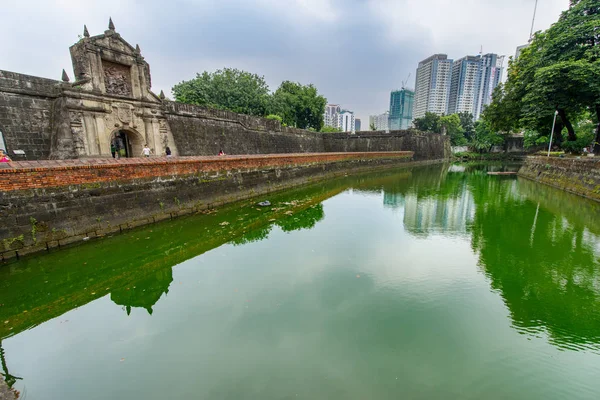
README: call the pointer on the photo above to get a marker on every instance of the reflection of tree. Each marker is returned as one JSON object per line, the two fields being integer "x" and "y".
{"x": 144, "y": 292}
{"x": 8, "y": 378}
{"x": 306, "y": 219}
{"x": 255, "y": 235}
{"x": 546, "y": 272}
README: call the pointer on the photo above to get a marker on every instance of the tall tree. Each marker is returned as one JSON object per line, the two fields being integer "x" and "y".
{"x": 430, "y": 122}
{"x": 228, "y": 89}
{"x": 299, "y": 106}
{"x": 468, "y": 124}
{"x": 450, "y": 125}
{"x": 556, "y": 73}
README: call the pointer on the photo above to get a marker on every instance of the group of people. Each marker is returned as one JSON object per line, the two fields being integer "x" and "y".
{"x": 146, "y": 151}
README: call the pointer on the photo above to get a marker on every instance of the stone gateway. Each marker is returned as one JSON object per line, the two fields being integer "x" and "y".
{"x": 109, "y": 110}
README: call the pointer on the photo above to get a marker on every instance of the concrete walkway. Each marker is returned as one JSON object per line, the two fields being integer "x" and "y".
{"x": 109, "y": 161}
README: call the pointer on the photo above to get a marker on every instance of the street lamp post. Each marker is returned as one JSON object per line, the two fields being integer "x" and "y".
{"x": 552, "y": 133}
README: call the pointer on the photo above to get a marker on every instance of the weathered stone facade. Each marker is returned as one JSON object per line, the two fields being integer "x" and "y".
{"x": 111, "y": 102}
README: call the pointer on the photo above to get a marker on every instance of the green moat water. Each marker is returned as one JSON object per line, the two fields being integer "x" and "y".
{"x": 427, "y": 283}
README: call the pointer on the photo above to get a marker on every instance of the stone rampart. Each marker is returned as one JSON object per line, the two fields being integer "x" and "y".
{"x": 426, "y": 146}
{"x": 26, "y": 108}
{"x": 578, "y": 176}
{"x": 204, "y": 131}
{"x": 48, "y": 204}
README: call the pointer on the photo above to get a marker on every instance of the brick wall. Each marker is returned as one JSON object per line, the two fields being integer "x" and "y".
{"x": 46, "y": 204}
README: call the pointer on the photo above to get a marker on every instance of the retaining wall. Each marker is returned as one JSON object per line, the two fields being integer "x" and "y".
{"x": 579, "y": 176}
{"x": 49, "y": 204}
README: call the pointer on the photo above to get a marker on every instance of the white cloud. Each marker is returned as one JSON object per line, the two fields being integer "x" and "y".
{"x": 303, "y": 11}
{"x": 461, "y": 27}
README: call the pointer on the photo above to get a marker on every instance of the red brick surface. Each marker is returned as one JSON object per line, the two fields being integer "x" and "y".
{"x": 21, "y": 175}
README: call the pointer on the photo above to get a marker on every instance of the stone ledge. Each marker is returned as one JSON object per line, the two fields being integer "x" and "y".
{"x": 27, "y": 175}
{"x": 26, "y": 166}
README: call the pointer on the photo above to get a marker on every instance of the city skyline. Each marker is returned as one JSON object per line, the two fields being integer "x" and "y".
{"x": 275, "y": 40}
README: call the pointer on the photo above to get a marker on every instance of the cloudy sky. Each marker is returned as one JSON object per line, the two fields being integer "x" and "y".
{"x": 354, "y": 51}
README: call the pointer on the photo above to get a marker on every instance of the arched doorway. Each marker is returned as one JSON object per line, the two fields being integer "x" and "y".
{"x": 126, "y": 143}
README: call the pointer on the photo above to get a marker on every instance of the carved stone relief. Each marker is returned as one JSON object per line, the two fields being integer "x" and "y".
{"x": 117, "y": 78}
{"x": 124, "y": 113}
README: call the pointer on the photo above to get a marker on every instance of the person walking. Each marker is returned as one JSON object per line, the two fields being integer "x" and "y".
{"x": 4, "y": 157}
{"x": 168, "y": 151}
{"x": 146, "y": 151}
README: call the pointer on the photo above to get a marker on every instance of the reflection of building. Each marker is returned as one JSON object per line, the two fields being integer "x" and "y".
{"x": 144, "y": 293}
{"x": 426, "y": 214}
{"x": 401, "y": 109}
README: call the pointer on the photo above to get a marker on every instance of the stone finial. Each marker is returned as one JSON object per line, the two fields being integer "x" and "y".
{"x": 65, "y": 77}
{"x": 137, "y": 49}
{"x": 85, "y": 32}
{"x": 111, "y": 25}
{"x": 162, "y": 95}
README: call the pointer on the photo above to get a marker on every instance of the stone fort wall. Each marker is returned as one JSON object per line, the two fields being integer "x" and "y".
{"x": 26, "y": 113}
{"x": 35, "y": 117}
{"x": 110, "y": 104}
{"x": 578, "y": 176}
{"x": 204, "y": 131}
{"x": 50, "y": 204}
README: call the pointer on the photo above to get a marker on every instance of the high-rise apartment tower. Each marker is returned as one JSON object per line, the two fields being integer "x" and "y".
{"x": 433, "y": 85}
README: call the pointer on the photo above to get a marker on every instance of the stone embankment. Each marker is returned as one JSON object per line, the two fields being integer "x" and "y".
{"x": 49, "y": 204}
{"x": 575, "y": 175}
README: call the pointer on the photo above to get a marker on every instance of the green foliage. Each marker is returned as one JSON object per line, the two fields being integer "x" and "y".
{"x": 468, "y": 124}
{"x": 428, "y": 123}
{"x": 576, "y": 146}
{"x": 330, "y": 129}
{"x": 502, "y": 114}
{"x": 300, "y": 106}
{"x": 227, "y": 89}
{"x": 372, "y": 127}
{"x": 485, "y": 137}
{"x": 450, "y": 124}
{"x": 274, "y": 117}
{"x": 558, "y": 71}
